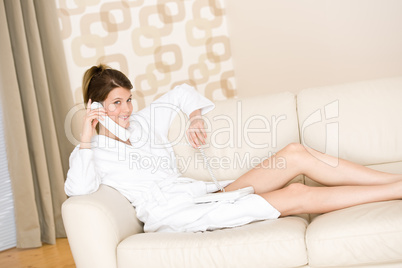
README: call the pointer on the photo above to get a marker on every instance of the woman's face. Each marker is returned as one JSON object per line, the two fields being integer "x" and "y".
{"x": 118, "y": 106}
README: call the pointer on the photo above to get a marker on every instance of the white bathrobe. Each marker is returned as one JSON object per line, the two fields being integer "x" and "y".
{"x": 147, "y": 175}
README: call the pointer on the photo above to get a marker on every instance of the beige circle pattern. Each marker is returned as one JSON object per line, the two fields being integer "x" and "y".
{"x": 158, "y": 43}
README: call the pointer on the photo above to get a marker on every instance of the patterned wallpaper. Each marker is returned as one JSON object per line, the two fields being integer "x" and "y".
{"x": 156, "y": 43}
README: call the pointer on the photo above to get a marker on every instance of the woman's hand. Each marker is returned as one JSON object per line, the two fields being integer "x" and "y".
{"x": 89, "y": 125}
{"x": 196, "y": 132}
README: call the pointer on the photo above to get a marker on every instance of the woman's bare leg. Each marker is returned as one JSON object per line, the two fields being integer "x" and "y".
{"x": 276, "y": 171}
{"x": 269, "y": 175}
{"x": 298, "y": 198}
{"x": 337, "y": 172}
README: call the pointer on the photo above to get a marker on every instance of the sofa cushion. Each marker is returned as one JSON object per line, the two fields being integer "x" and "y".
{"x": 272, "y": 243}
{"x": 361, "y": 235}
{"x": 360, "y": 122}
{"x": 240, "y": 134}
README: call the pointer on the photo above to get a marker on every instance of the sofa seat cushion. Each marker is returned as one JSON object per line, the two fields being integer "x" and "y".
{"x": 271, "y": 243}
{"x": 361, "y": 235}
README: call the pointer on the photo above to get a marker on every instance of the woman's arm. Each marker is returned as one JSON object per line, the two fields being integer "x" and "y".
{"x": 160, "y": 113}
{"x": 196, "y": 132}
{"x": 89, "y": 123}
{"x": 81, "y": 177}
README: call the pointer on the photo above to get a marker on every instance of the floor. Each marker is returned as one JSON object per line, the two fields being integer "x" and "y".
{"x": 48, "y": 256}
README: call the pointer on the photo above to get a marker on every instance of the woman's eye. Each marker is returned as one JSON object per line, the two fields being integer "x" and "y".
{"x": 129, "y": 100}
{"x": 117, "y": 102}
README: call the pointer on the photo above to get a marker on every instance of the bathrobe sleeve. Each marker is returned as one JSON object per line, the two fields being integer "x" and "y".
{"x": 162, "y": 111}
{"x": 81, "y": 177}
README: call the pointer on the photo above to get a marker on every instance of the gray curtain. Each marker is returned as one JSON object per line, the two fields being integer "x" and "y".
{"x": 35, "y": 95}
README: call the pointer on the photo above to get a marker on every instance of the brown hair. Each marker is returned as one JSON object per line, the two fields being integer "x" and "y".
{"x": 99, "y": 80}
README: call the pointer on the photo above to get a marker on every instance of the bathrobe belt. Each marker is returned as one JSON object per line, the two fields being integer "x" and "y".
{"x": 154, "y": 193}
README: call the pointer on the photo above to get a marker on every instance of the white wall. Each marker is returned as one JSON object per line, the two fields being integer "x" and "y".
{"x": 296, "y": 44}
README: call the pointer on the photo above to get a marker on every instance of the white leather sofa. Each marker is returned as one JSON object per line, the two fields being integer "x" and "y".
{"x": 361, "y": 122}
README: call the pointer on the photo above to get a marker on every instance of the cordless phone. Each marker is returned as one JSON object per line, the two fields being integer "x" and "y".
{"x": 111, "y": 125}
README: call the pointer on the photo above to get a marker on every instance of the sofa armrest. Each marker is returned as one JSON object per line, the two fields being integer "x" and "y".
{"x": 95, "y": 224}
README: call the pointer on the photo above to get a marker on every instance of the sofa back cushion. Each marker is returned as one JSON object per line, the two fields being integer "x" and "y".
{"x": 361, "y": 122}
{"x": 240, "y": 134}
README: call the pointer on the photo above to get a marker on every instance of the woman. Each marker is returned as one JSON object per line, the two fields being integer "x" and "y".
{"x": 145, "y": 172}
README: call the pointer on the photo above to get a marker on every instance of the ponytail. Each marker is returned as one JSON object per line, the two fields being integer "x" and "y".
{"x": 92, "y": 72}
